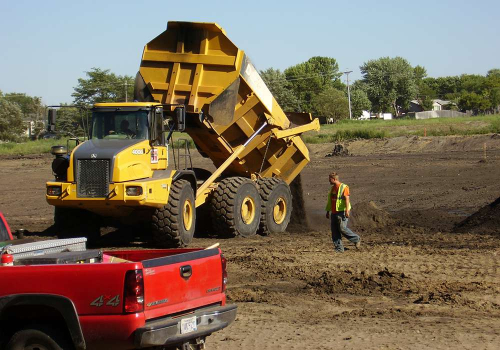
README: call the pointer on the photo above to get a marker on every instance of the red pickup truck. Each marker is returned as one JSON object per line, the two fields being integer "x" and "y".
{"x": 150, "y": 298}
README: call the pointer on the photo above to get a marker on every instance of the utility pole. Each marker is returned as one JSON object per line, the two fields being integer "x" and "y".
{"x": 348, "y": 92}
{"x": 126, "y": 91}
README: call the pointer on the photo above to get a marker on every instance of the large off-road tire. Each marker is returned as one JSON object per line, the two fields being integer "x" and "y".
{"x": 276, "y": 208}
{"x": 70, "y": 223}
{"x": 38, "y": 337}
{"x": 235, "y": 207}
{"x": 173, "y": 225}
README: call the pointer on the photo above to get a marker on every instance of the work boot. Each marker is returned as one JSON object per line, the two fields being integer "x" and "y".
{"x": 358, "y": 245}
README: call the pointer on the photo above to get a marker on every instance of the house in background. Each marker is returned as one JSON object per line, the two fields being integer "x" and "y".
{"x": 437, "y": 105}
{"x": 32, "y": 127}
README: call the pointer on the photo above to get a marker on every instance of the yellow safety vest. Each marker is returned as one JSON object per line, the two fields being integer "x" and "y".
{"x": 340, "y": 203}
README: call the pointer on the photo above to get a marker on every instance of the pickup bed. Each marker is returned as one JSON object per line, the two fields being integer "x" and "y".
{"x": 129, "y": 299}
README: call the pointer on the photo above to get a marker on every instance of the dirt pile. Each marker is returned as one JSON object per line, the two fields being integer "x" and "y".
{"x": 298, "y": 220}
{"x": 484, "y": 221}
{"x": 418, "y": 144}
{"x": 384, "y": 282}
{"x": 368, "y": 216}
{"x": 339, "y": 150}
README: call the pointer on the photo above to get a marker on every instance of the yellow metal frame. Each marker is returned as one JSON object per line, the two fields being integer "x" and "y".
{"x": 154, "y": 194}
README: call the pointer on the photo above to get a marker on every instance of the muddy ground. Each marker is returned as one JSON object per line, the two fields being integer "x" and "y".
{"x": 423, "y": 278}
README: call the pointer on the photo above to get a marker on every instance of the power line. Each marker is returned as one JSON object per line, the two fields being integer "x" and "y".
{"x": 348, "y": 92}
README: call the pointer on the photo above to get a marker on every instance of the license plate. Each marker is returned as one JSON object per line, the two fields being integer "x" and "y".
{"x": 188, "y": 325}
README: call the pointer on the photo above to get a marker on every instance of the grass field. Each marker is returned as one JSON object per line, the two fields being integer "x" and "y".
{"x": 344, "y": 130}
{"x": 369, "y": 129}
{"x": 29, "y": 147}
{"x": 43, "y": 146}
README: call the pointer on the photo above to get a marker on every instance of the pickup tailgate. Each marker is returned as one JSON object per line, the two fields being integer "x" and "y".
{"x": 180, "y": 283}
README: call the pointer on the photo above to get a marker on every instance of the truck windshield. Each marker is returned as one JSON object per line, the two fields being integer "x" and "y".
{"x": 120, "y": 125}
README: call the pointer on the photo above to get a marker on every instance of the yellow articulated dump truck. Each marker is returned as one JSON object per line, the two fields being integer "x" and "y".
{"x": 192, "y": 79}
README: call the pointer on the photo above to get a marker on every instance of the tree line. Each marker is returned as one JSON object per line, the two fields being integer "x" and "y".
{"x": 315, "y": 86}
{"x": 387, "y": 85}
{"x": 19, "y": 109}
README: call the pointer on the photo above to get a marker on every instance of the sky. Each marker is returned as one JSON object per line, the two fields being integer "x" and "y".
{"x": 45, "y": 46}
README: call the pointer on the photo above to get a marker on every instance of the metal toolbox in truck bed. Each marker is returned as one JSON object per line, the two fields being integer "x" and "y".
{"x": 78, "y": 257}
{"x": 21, "y": 251}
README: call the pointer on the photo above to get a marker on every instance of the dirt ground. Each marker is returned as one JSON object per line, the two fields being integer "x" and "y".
{"x": 427, "y": 276}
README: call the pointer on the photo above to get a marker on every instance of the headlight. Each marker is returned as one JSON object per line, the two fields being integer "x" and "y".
{"x": 134, "y": 191}
{"x": 54, "y": 191}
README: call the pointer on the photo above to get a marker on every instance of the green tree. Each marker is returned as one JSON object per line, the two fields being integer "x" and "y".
{"x": 390, "y": 83}
{"x": 11, "y": 121}
{"x": 281, "y": 89}
{"x": 71, "y": 121}
{"x": 444, "y": 86}
{"x": 308, "y": 79}
{"x": 30, "y": 106}
{"x": 32, "y": 109}
{"x": 103, "y": 86}
{"x": 359, "y": 102}
{"x": 493, "y": 86}
{"x": 471, "y": 101}
{"x": 420, "y": 73}
{"x": 331, "y": 103}
{"x": 425, "y": 94}
{"x": 472, "y": 83}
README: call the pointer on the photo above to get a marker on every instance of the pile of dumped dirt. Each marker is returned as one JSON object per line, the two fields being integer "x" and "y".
{"x": 367, "y": 216}
{"x": 384, "y": 282}
{"x": 298, "y": 220}
{"x": 339, "y": 150}
{"x": 418, "y": 144}
{"x": 484, "y": 221}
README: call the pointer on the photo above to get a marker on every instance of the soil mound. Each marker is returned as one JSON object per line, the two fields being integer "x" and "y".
{"x": 418, "y": 144}
{"x": 339, "y": 150}
{"x": 298, "y": 220}
{"x": 368, "y": 216}
{"x": 384, "y": 282}
{"x": 486, "y": 220}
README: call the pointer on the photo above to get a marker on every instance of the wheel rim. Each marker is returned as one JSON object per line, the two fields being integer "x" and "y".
{"x": 248, "y": 210}
{"x": 279, "y": 211}
{"x": 187, "y": 214}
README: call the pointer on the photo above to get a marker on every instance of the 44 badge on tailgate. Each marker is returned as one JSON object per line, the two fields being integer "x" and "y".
{"x": 106, "y": 300}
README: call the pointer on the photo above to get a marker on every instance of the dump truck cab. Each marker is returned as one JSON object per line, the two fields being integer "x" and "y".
{"x": 121, "y": 172}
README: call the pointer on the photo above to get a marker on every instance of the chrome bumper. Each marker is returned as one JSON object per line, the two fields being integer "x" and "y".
{"x": 168, "y": 331}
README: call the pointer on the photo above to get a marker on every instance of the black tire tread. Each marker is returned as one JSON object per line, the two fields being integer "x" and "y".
{"x": 266, "y": 187}
{"x": 165, "y": 225}
{"x": 222, "y": 205}
{"x": 58, "y": 339}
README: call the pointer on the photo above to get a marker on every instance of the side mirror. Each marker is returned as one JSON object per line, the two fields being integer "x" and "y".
{"x": 180, "y": 116}
{"x": 52, "y": 120}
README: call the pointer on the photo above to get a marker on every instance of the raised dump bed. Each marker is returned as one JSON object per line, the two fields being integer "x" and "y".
{"x": 196, "y": 65}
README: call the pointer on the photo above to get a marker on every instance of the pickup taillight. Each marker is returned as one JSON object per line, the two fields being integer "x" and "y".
{"x": 133, "y": 295}
{"x": 224, "y": 272}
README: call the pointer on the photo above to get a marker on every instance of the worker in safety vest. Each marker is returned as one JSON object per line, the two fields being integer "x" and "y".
{"x": 340, "y": 206}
